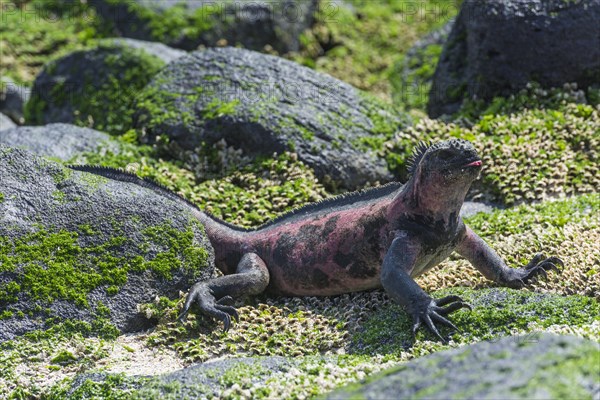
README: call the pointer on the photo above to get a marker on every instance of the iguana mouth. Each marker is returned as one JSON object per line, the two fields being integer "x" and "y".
{"x": 476, "y": 163}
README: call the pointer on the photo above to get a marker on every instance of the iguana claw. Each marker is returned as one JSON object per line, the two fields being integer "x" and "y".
{"x": 431, "y": 310}
{"x": 221, "y": 309}
{"x": 538, "y": 266}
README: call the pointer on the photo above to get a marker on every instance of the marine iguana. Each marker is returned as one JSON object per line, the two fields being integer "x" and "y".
{"x": 382, "y": 237}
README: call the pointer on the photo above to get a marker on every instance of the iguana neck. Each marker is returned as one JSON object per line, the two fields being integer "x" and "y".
{"x": 421, "y": 197}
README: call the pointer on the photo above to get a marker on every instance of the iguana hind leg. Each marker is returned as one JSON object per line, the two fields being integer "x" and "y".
{"x": 215, "y": 297}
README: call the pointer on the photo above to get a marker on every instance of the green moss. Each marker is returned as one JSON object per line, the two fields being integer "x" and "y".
{"x": 217, "y": 108}
{"x": 1, "y": 197}
{"x": 496, "y": 312}
{"x": 530, "y": 98}
{"x": 529, "y": 155}
{"x": 87, "y": 230}
{"x": 106, "y": 104}
{"x": 176, "y": 22}
{"x": 59, "y": 196}
{"x": 49, "y": 266}
{"x": 64, "y": 357}
{"x": 53, "y": 265}
{"x": 181, "y": 252}
{"x": 158, "y": 106}
{"x": 35, "y": 31}
{"x": 100, "y": 326}
{"x": 411, "y": 77}
{"x": 517, "y": 220}
{"x": 60, "y": 175}
{"x": 112, "y": 387}
{"x": 6, "y": 314}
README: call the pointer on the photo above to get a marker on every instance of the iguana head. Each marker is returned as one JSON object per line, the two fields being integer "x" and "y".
{"x": 449, "y": 162}
{"x": 441, "y": 175}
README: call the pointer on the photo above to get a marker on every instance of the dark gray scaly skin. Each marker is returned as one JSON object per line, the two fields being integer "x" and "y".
{"x": 383, "y": 237}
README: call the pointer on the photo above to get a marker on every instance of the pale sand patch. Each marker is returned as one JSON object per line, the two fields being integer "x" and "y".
{"x": 131, "y": 356}
{"x": 128, "y": 354}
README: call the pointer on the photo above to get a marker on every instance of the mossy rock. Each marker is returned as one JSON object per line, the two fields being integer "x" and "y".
{"x": 75, "y": 246}
{"x": 263, "y": 105}
{"x": 497, "y": 48}
{"x": 58, "y": 141}
{"x": 97, "y": 95}
{"x": 515, "y": 367}
{"x": 187, "y": 24}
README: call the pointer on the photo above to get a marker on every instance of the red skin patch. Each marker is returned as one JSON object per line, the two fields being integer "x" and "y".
{"x": 329, "y": 254}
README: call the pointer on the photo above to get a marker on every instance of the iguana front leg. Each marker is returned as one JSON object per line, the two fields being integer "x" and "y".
{"x": 401, "y": 258}
{"x": 215, "y": 296}
{"x": 486, "y": 260}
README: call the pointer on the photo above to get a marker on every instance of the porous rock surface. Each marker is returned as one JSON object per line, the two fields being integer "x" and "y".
{"x": 128, "y": 225}
{"x": 13, "y": 97}
{"x": 263, "y": 105}
{"x": 251, "y": 23}
{"x": 5, "y": 123}
{"x": 497, "y": 47}
{"x": 62, "y": 141}
{"x": 190, "y": 379}
{"x": 514, "y": 367}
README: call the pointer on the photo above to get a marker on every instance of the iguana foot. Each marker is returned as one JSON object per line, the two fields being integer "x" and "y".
{"x": 221, "y": 309}
{"x": 429, "y": 310}
{"x": 538, "y": 266}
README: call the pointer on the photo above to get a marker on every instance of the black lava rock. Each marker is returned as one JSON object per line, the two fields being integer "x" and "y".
{"x": 62, "y": 141}
{"x": 497, "y": 47}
